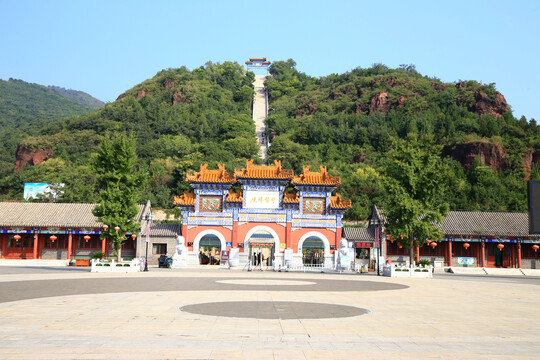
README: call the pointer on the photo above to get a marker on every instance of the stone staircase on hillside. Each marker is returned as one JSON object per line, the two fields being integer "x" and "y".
{"x": 260, "y": 111}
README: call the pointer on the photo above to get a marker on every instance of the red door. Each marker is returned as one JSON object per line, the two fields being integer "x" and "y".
{"x": 22, "y": 248}
{"x": 492, "y": 255}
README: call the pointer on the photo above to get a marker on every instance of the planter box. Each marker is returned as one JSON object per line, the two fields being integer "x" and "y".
{"x": 415, "y": 272}
{"x": 82, "y": 262}
{"x": 134, "y": 265}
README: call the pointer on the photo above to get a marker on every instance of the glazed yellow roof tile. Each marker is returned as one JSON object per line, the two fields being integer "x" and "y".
{"x": 316, "y": 177}
{"x": 234, "y": 196}
{"x": 337, "y": 202}
{"x": 291, "y": 198}
{"x": 211, "y": 176}
{"x": 188, "y": 199}
{"x": 252, "y": 171}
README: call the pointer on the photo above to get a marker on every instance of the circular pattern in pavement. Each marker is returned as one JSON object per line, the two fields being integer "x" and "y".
{"x": 31, "y": 289}
{"x": 274, "y": 310}
{"x": 265, "y": 282}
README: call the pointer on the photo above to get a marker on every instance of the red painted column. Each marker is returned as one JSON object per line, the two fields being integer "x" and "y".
{"x": 185, "y": 235}
{"x": 35, "y": 244}
{"x": 103, "y": 245}
{"x": 235, "y": 234}
{"x": 449, "y": 253}
{"x": 3, "y": 245}
{"x": 70, "y": 245}
{"x": 478, "y": 256}
{"x": 338, "y": 237}
{"x": 512, "y": 256}
{"x": 483, "y": 253}
{"x": 417, "y": 257}
{"x": 519, "y": 254}
{"x": 288, "y": 235}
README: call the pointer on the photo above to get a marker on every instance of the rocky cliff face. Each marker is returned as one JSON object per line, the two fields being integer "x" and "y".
{"x": 33, "y": 157}
{"x": 484, "y": 105}
{"x": 380, "y": 102}
{"x": 491, "y": 154}
{"x": 530, "y": 159}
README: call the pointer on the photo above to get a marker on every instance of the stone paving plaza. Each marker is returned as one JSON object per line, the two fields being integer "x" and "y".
{"x": 48, "y": 313}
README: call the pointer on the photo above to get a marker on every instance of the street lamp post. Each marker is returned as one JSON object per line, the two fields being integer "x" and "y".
{"x": 377, "y": 223}
{"x": 146, "y": 258}
{"x": 149, "y": 218}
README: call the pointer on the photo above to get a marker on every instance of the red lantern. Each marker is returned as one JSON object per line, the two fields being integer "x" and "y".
{"x": 53, "y": 237}
{"x": 105, "y": 227}
{"x": 535, "y": 247}
{"x": 122, "y": 238}
{"x": 500, "y": 246}
{"x": 428, "y": 241}
{"x": 401, "y": 236}
{"x": 133, "y": 236}
{"x": 466, "y": 245}
{"x": 17, "y": 237}
{"x": 392, "y": 240}
{"x": 433, "y": 244}
{"x": 399, "y": 245}
{"x": 87, "y": 237}
{"x": 117, "y": 228}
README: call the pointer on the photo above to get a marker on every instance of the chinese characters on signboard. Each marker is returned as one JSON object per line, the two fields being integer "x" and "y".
{"x": 262, "y": 199}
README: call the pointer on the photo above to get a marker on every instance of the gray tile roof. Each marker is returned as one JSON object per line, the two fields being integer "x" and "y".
{"x": 486, "y": 223}
{"x": 359, "y": 234}
{"x": 163, "y": 230}
{"x": 477, "y": 223}
{"x": 51, "y": 215}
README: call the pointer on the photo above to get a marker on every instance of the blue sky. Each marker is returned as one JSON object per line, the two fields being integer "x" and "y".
{"x": 107, "y": 47}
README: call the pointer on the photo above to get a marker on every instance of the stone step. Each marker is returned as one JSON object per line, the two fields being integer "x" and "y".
{"x": 32, "y": 262}
{"x": 503, "y": 271}
{"x": 467, "y": 270}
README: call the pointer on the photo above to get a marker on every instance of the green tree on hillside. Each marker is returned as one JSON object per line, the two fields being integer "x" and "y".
{"x": 415, "y": 193}
{"x": 118, "y": 184}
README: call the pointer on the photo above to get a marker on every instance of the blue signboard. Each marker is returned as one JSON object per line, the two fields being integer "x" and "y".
{"x": 33, "y": 190}
{"x": 228, "y": 243}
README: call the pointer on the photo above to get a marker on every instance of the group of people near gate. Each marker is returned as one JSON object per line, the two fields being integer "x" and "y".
{"x": 258, "y": 259}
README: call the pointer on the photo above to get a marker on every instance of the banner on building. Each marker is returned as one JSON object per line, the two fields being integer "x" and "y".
{"x": 43, "y": 190}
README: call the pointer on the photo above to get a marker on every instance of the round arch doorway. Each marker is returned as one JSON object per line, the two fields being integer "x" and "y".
{"x": 313, "y": 251}
{"x": 209, "y": 250}
{"x": 261, "y": 249}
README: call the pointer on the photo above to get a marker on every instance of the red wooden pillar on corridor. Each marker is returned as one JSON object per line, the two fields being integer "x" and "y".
{"x": 450, "y": 253}
{"x": 288, "y": 235}
{"x": 417, "y": 256}
{"x": 70, "y": 245}
{"x": 483, "y": 253}
{"x": 478, "y": 255}
{"x": 36, "y": 244}
{"x": 519, "y": 254}
{"x": 103, "y": 246}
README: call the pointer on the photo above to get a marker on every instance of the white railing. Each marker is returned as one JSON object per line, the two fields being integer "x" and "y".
{"x": 134, "y": 265}
{"x": 308, "y": 267}
{"x": 404, "y": 271}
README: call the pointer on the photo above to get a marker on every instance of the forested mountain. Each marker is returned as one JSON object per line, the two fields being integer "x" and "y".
{"x": 347, "y": 122}
{"x": 180, "y": 118}
{"x": 350, "y": 122}
{"x": 25, "y": 109}
{"x": 79, "y": 97}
